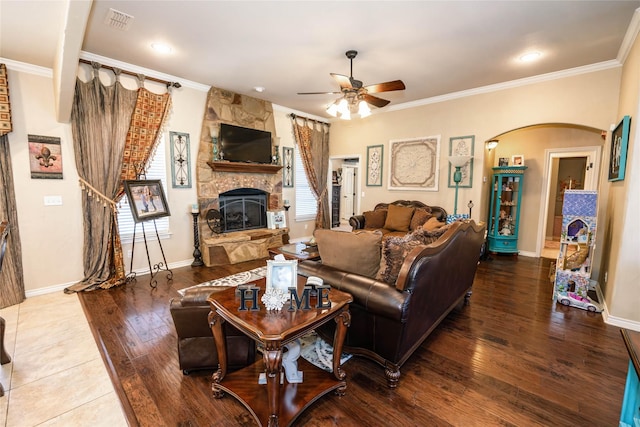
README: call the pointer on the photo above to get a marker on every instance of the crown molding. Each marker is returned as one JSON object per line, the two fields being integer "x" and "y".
{"x": 146, "y": 71}
{"x": 629, "y": 37}
{"x": 510, "y": 84}
{"x": 23, "y": 67}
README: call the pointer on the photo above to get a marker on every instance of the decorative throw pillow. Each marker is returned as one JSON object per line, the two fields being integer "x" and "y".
{"x": 420, "y": 216}
{"x": 394, "y": 250}
{"x": 398, "y": 218}
{"x": 432, "y": 224}
{"x": 375, "y": 219}
{"x": 356, "y": 252}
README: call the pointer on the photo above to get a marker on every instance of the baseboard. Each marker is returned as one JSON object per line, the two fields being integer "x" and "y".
{"x": 61, "y": 287}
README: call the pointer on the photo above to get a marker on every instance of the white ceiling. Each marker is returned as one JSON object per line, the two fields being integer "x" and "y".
{"x": 435, "y": 47}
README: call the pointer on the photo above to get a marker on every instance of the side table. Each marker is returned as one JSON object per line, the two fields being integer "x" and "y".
{"x": 278, "y": 402}
{"x": 299, "y": 251}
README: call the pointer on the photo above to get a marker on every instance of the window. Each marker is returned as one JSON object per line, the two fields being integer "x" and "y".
{"x": 306, "y": 204}
{"x": 126, "y": 224}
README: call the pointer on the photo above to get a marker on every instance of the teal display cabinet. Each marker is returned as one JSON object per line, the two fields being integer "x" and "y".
{"x": 504, "y": 213}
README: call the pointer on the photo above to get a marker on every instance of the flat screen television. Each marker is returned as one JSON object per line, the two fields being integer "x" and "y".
{"x": 240, "y": 144}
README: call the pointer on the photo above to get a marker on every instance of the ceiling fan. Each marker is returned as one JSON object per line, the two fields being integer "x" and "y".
{"x": 356, "y": 96}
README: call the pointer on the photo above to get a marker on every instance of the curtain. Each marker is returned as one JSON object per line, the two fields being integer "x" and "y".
{"x": 312, "y": 138}
{"x": 11, "y": 276}
{"x": 100, "y": 119}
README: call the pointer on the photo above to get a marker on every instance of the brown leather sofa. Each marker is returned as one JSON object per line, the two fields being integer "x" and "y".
{"x": 196, "y": 345}
{"x": 388, "y": 323}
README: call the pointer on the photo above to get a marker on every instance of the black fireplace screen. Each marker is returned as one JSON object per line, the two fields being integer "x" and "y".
{"x": 243, "y": 209}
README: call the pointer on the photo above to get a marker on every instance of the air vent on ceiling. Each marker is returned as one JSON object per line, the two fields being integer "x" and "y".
{"x": 118, "y": 20}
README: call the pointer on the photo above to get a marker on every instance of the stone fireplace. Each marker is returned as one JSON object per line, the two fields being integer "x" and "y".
{"x": 214, "y": 179}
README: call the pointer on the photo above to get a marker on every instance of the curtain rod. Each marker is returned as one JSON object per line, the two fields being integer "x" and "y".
{"x": 293, "y": 116}
{"x": 131, "y": 73}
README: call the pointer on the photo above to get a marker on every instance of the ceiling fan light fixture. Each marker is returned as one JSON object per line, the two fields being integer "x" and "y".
{"x": 363, "y": 109}
{"x": 332, "y": 110}
{"x": 343, "y": 106}
{"x": 346, "y": 115}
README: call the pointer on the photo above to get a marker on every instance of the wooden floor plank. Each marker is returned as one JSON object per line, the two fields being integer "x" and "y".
{"x": 512, "y": 357}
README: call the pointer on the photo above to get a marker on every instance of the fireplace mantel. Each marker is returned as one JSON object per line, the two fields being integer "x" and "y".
{"x": 221, "y": 166}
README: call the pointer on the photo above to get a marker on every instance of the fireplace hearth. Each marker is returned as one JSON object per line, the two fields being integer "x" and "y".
{"x": 243, "y": 209}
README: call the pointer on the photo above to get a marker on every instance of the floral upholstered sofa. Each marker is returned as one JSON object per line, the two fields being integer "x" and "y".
{"x": 399, "y": 218}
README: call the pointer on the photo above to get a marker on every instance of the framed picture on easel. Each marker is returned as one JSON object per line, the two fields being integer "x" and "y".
{"x": 146, "y": 199}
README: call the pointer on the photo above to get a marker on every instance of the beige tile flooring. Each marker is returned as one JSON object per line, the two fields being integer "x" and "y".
{"x": 56, "y": 376}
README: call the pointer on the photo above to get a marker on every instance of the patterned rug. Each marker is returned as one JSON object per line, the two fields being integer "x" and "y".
{"x": 233, "y": 280}
{"x": 312, "y": 348}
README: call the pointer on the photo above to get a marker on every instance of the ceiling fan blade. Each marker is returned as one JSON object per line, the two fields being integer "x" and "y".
{"x": 343, "y": 81}
{"x": 386, "y": 87}
{"x": 374, "y": 100}
{"x": 319, "y": 93}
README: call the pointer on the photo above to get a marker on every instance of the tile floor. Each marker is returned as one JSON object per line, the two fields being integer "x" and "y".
{"x": 56, "y": 376}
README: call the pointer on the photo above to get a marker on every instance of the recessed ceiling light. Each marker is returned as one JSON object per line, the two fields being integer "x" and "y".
{"x": 161, "y": 47}
{"x": 530, "y": 56}
{"x": 259, "y": 89}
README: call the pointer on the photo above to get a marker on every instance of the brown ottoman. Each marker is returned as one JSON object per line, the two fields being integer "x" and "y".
{"x": 196, "y": 345}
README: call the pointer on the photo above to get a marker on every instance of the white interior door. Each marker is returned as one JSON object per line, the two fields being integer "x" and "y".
{"x": 347, "y": 205}
{"x": 591, "y": 174}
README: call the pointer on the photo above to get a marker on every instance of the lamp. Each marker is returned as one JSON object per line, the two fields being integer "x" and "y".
{"x": 458, "y": 162}
{"x": 213, "y": 131}
{"x": 349, "y": 104}
{"x": 491, "y": 144}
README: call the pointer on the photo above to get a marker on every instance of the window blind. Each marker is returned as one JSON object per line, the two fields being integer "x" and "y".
{"x": 306, "y": 204}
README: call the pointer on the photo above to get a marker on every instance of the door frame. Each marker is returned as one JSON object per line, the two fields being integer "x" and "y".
{"x": 592, "y": 176}
{"x": 358, "y": 180}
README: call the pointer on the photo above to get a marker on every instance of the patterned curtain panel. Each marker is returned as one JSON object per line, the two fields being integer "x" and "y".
{"x": 313, "y": 141}
{"x": 11, "y": 277}
{"x": 5, "y": 105}
{"x": 100, "y": 119}
{"x": 148, "y": 119}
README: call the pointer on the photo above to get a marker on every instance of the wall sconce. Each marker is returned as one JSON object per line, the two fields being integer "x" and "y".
{"x": 491, "y": 144}
{"x": 458, "y": 162}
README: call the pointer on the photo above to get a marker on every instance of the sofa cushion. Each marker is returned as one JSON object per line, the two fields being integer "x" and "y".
{"x": 420, "y": 216}
{"x": 356, "y": 252}
{"x": 432, "y": 224}
{"x": 395, "y": 249}
{"x": 398, "y": 218}
{"x": 375, "y": 219}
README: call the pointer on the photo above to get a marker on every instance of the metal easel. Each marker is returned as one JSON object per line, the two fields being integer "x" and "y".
{"x": 158, "y": 267}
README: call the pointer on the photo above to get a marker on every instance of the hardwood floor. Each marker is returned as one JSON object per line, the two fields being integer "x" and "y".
{"x": 512, "y": 357}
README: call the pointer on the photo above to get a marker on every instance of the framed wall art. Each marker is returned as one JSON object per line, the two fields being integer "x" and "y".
{"x": 503, "y": 161}
{"x": 462, "y": 146}
{"x": 374, "y": 165}
{"x": 517, "y": 160}
{"x": 414, "y": 163}
{"x": 180, "y": 160}
{"x": 619, "y": 145}
{"x": 45, "y": 157}
{"x": 287, "y": 167}
{"x": 146, "y": 199}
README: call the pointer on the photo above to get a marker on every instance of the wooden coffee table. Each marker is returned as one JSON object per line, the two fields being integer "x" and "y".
{"x": 277, "y": 403}
{"x": 299, "y": 251}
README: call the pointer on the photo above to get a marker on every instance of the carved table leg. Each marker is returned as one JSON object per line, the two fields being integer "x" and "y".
{"x": 343, "y": 321}
{"x": 4, "y": 357}
{"x": 272, "y": 357}
{"x": 215, "y": 323}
